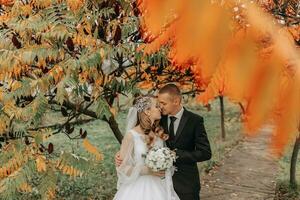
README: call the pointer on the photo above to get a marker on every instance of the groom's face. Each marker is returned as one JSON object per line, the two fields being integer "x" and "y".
{"x": 167, "y": 103}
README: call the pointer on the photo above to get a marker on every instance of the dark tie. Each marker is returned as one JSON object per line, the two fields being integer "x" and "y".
{"x": 171, "y": 128}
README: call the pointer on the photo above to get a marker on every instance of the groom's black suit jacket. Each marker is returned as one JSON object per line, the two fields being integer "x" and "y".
{"x": 191, "y": 146}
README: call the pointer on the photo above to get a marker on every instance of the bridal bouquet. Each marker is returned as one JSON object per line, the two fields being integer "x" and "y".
{"x": 159, "y": 159}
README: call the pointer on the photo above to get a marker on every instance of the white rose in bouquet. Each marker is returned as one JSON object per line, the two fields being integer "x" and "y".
{"x": 160, "y": 159}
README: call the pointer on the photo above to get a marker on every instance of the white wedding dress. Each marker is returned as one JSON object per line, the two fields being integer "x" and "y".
{"x": 134, "y": 180}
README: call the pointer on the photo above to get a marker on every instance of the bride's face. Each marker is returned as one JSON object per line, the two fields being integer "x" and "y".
{"x": 154, "y": 111}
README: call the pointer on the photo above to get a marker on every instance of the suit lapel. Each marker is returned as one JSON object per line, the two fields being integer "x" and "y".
{"x": 182, "y": 123}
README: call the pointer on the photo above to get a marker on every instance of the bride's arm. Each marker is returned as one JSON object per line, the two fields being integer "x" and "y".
{"x": 129, "y": 167}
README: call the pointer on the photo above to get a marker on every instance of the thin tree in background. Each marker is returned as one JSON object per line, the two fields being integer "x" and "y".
{"x": 222, "y": 111}
{"x": 294, "y": 160}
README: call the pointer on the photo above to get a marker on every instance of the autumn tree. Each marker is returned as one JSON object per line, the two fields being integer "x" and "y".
{"x": 287, "y": 14}
{"x": 66, "y": 56}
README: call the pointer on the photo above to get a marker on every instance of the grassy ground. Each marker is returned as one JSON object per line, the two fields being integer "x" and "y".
{"x": 284, "y": 191}
{"x": 100, "y": 181}
{"x": 213, "y": 129}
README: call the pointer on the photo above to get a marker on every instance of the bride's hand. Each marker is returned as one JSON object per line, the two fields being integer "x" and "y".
{"x": 159, "y": 173}
{"x": 118, "y": 160}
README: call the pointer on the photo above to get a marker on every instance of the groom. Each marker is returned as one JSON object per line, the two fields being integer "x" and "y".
{"x": 187, "y": 136}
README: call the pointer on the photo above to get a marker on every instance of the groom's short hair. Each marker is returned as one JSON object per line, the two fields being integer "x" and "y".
{"x": 171, "y": 89}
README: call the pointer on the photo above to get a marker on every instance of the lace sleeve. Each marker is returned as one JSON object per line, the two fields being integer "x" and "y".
{"x": 129, "y": 170}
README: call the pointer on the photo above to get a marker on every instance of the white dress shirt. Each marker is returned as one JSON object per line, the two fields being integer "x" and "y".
{"x": 177, "y": 121}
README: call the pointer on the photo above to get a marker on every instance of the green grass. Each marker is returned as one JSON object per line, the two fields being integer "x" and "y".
{"x": 213, "y": 128}
{"x": 100, "y": 180}
{"x": 283, "y": 190}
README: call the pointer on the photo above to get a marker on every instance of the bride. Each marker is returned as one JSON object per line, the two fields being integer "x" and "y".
{"x": 135, "y": 180}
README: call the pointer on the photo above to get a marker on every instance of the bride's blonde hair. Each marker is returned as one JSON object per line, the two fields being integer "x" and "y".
{"x": 150, "y": 130}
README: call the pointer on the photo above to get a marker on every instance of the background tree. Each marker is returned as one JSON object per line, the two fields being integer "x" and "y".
{"x": 293, "y": 181}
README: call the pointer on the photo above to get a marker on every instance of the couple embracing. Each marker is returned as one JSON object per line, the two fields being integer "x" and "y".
{"x": 158, "y": 122}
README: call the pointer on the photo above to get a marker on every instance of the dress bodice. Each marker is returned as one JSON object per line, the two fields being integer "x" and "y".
{"x": 136, "y": 184}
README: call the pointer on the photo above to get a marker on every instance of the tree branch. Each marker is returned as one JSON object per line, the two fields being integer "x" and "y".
{"x": 58, "y": 125}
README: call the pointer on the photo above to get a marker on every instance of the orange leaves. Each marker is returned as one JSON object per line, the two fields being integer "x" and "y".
{"x": 51, "y": 193}
{"x": 5, "y": 17}
{"x": 89, "y": 75}
{"x": 145, "y": 85}
{"x": 56, "y": 72}
{"x": 295, "y": 32}
{"x": 3, "y": 172}
{"x": 15, "y": 85}
{"x": 215, "y": 88}
{"x": 3, "y": 126}
{"x": 92, "y": 149}
{"x": 11, "y": 166}
{"x": 192, "y": 42}
{"x": 41, "y": 3}
{"x": 83, "y": 76}
{"x": 131, "y": 71}
{"x": 84, "y": 40}
{"x": 25, "y": 187}
{"x": 157, "y": 15}
{"x": 286, "y": 112}
{"x": 198, "y": 40}
{"x": 42, "y": 63}
{"x": 7, "y": 2}
{"x": 247, "y": 65}
{"x": 41, "y": 164}
{"x": 12, "y": 111}
{"x": 75, "y": 4}
{"x": 69, "y": 170}
{"x": 26, "y": 10}
{"x": 159, "y": 41}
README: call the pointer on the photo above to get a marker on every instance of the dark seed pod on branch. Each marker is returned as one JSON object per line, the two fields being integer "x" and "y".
{"x": 50, "y": 148}
{"x": 16, "y": 42}
{"x": 118, "y": 35}
{"x": 70, "y": 44}
{"x": 27, "y": 141}
{"x": 83, "y": 135}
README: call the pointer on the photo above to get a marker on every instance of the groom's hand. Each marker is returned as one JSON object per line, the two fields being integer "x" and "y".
{"x": 118, "y": 160}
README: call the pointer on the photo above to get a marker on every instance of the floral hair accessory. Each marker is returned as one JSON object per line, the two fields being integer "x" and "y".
{"x": 143, "y": 103}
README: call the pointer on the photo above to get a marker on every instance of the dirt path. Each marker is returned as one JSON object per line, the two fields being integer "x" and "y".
{"x": 248, "y": 173}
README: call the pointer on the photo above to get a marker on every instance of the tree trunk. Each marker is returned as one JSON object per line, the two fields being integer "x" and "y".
{"x": 222, "y": 117}
{"x": 115, "y": 128}
{"x": 293, "y": 181}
